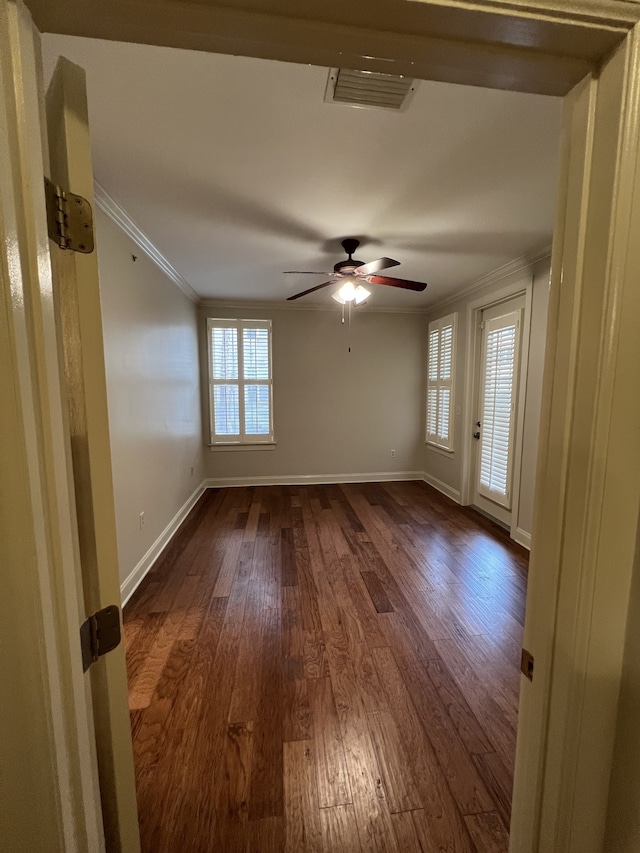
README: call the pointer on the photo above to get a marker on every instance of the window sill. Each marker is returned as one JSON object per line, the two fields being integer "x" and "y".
{"x": 263, "y": 445}
{"x": 437, "y": 449}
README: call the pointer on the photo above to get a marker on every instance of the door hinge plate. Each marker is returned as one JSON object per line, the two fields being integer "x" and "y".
{"x": 526, "y": 664}
{"x": 99, "y": 634}
{"x": 69, "y": 219}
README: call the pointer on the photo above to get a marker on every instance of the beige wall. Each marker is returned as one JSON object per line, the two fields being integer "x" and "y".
{"x": 447, "y": 468}
{"x": 336, "y": 413}
{"x": 151, "y": 353}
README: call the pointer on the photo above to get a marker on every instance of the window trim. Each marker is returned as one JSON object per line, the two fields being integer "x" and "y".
{"x": 243, "y": 441}
{"x": 433, "y": 440}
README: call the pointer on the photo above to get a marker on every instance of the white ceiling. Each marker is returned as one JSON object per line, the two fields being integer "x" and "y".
{"x": 236, "y": 169}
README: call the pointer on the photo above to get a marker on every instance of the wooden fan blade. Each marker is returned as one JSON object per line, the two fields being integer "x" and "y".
{"x": 305, "y": 272}
{"x": 376, "y": 266}
{"x": 396, "y": 282}
{"x": 311, "y": 290}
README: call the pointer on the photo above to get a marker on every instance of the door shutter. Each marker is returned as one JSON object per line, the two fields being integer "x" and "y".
{"x": 500, "y": 359}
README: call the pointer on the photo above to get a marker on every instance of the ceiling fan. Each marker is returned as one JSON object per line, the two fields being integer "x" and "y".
{"x": 355, "y": 272}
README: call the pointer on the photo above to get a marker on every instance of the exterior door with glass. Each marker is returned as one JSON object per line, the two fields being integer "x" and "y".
{"x": 498, "y": 385}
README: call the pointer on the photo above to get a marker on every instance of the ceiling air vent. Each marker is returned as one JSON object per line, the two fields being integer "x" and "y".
{"x": 368, "y": 89}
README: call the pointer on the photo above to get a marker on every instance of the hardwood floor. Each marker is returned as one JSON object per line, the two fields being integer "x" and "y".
{"x": 327, "y": 668}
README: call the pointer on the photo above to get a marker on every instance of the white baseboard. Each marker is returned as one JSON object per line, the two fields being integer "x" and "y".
{"x": 447, "y": 490}
{"x": 312, "y": 479}
{"x": 133, "y": 580}
{"x": 521, "y": 537}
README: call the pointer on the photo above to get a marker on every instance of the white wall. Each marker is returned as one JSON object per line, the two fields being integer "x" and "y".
{"x": 447, "y": 468}
{"x": 336, "y": 413}
{"x": 152, "y": 364}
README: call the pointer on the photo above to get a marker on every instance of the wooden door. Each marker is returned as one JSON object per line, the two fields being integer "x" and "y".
{"x": 77, "y": 299}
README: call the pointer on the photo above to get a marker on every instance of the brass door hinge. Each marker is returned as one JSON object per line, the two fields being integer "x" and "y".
{"x": 69, "y": 219}
{"x": 526, "y": 664}
{"x": 99, "y": 634}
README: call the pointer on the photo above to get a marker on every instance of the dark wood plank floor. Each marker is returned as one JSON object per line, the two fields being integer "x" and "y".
{"x": 327, "y": 668}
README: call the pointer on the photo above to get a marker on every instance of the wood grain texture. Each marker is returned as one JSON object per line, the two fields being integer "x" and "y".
{"x": 331, "y": 766}
{"x": 400, "y": 789}
{"x": 327, "y": 668}
{"x": 488, "y": 832}
{"x": 377, "y": 592}
{"x": 340, "y": 830}
{"x": 304, "y": 828}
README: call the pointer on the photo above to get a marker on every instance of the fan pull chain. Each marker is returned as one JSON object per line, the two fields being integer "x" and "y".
{"x": 349, "y": 334}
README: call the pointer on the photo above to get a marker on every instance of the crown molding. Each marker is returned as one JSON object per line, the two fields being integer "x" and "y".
{"x": 121, "y": 218}
{"x": 526, "y": 262}
{"x": 274, "y": 305}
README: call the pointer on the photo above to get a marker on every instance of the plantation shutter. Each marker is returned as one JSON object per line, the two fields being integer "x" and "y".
{"x": 224, "y": 368}
{"x": 256, "y": 369}
{"x": 500, "y": 357}
{"x": 440, "y": 375}
{"x": 240, "y": 381}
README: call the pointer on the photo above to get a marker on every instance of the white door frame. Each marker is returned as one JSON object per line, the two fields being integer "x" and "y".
{"x": 48, "y": 741}
{"x": 588, "y": 493}
{"x": 524, "y": 287}
{"x": 588, "y": 484}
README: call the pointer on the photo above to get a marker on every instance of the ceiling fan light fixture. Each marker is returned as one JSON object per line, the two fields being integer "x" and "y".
{"x": 350, "y": 293}
{"x": 361, "y": 294}
{"x": 353, "y": 271}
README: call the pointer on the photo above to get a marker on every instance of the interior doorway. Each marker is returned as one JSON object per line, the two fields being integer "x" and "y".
{"x": 596, "y": 230}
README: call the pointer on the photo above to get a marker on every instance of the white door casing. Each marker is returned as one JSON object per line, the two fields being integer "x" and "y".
{"x": 588, "y": 484}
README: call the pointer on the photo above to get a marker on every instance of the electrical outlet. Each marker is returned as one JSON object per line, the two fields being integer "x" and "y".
{"x": 393, "y": 453}
{"x": 141, "y": 520}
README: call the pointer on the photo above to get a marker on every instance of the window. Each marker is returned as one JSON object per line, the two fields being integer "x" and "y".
{"x": 240, "y": 384}
{"x": 440, "y": 372}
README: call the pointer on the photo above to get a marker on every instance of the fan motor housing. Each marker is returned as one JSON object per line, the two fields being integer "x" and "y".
{"x": 347, "y": 266}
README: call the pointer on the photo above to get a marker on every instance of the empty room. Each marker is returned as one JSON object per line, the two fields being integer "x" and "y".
{"x": 323, "y": 647}
{"x": 266, "y": 641}
{"x": 320, "y": 459}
